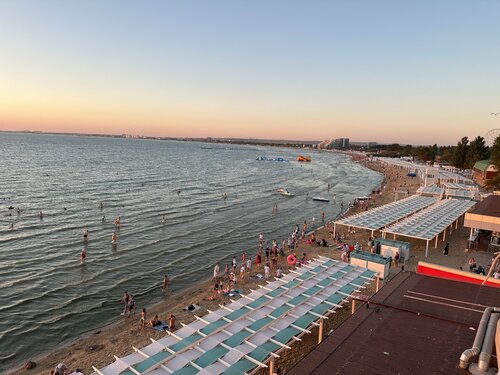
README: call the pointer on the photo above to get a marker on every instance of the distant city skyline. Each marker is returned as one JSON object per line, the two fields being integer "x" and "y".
{"x": 420, "y": 72}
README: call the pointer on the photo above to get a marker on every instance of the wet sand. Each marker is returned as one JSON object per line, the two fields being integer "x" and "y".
{"x": 99, "y": 347}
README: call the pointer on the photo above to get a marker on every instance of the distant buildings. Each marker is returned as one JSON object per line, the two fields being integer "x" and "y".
{"x": 339, "y": 143}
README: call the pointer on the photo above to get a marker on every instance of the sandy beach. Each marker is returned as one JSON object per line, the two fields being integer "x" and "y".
{"x": 99, "y": 347}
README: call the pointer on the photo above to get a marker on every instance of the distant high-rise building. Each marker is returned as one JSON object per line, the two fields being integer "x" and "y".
{"x": 341, "y": 143}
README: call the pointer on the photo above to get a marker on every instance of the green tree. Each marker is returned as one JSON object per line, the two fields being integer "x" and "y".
{"x": 460, "y": 155}
{"x": 495, "y": 153}
{"x": 477, "y": 151}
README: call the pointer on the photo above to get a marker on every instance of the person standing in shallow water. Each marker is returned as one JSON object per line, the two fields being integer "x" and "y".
{"x": 165, "y": 282}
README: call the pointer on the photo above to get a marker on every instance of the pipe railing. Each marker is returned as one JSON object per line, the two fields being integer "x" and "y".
{"x": 483, "y": 342}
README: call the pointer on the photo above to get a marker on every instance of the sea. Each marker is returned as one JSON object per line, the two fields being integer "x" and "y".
{"x": 216, "y": 199}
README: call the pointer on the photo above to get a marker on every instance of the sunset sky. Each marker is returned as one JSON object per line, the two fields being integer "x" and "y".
{"x": 419, "y": 72}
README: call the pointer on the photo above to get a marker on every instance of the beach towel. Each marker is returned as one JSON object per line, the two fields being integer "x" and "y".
{"x": 191, "y": 308}
{"x": 161, "y": 327}
{"x": 233, "y": 293}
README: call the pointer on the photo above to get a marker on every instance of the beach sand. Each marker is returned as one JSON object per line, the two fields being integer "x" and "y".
{"x": 99, "y": 347}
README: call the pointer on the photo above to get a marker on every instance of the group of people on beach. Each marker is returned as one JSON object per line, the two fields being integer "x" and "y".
{"x": 268, "y": 260}
{"x": 129, "y": 306}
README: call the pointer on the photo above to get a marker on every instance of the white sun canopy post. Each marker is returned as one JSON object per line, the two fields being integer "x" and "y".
{"x": 432, "y": 221}
{"x": 380, "y": 217}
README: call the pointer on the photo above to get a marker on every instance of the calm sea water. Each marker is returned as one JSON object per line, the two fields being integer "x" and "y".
{"x": 47, "y": 297}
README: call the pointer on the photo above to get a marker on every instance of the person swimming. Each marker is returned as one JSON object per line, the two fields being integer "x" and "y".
{"x": 114, "y": 237}
{"x": 83, "y": 255}
{"x": 163, "y": 219}
{"x": 85, "y": 235}
{"x": 104, "y": 219}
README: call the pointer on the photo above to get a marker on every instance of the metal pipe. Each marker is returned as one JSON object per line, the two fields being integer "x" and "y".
{"x": 497, "y": 343}
{"x": 467, "y": 355}
{"x": 487, "y": 347}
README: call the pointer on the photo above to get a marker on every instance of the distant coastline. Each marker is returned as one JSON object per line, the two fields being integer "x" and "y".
{"x": 226, "y": 140}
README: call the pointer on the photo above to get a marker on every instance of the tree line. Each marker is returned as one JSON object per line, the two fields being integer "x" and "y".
{"x": 464, "y": 155}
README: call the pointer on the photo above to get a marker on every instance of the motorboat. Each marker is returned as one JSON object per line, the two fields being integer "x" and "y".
{"x": 281, "y": 190}
{"x": 286, "y": 193}
{"x": 321, "y": 199}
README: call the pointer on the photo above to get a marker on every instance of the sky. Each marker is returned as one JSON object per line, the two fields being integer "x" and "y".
{"x": 417, "y": 72}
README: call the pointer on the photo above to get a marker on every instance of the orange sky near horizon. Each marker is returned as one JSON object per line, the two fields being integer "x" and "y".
{"x": 408, "y": 73}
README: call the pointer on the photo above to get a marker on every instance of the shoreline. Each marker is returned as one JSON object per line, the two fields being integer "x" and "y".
{"x": 98, "y": 346}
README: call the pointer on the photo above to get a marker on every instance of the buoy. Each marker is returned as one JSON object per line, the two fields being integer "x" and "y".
{"x": 291, "y": 260}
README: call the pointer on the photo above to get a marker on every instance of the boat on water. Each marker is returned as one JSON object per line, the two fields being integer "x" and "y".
{"x": 281, "y": 190}
{"x": 265, "y": 158}
{"x": 321, "y": 199}
{"x": 303, "y": 158}
{"x": 286, "y": 193}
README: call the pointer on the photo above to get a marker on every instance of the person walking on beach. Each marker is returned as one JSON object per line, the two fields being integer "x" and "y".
{"x": 446, "y": 249}
{"x": 267, "y": 271}
{"x": 143, "y": 317}
{"x": 216, "y": 272}
{"x": 396, "y": 259}
{"x": 472, "y": 264}
{"x": 131, "y": 305}
{"x": 249, "y": 264}
{"x": 125, "y": 301}
{"x": 165, "y": 282}
{"x": 242, "y": 272}
{"x": 171, "y": 323}
{"x": 258, "y": 259}
{"x": 83, "y": 255}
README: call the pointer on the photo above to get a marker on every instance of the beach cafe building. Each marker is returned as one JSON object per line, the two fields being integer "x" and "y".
{"x": 484, "y": 171}
{"x": 485, "y": 216}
